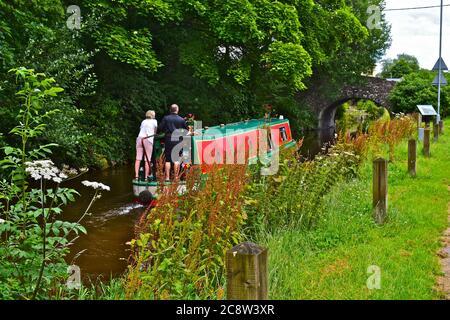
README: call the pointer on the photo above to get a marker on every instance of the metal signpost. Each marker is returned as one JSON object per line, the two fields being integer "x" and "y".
{"x": 439, "y": 67}
{"x": 427, "y": 112}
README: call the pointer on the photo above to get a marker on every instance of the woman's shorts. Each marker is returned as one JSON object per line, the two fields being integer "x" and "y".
{"x": 147, "y": 145}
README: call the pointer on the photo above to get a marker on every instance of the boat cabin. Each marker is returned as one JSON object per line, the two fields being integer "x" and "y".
{"x": 234, "y": 143}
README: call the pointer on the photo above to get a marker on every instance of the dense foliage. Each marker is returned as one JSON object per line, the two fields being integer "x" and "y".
{"x": 293, "y": 198}
{"x": 358, "y": 116}
{"x": 221, "y": 60}
{"x": 416, "y": 89}
{"x": 33, "y": 238}
{"x": 403, "y": 65}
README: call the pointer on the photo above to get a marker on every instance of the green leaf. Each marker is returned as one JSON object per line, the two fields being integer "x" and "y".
{"x": 53, "y": 91}
{"x": 82, "y": 229}
{"x": 8, "y": 150}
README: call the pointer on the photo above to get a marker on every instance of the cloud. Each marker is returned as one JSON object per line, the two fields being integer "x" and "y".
{"x": 416, "y": 32}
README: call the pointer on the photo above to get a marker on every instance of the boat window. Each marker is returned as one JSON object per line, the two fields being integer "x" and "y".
{"x": 283, "y": 134}
{"x": 269, "y": 140}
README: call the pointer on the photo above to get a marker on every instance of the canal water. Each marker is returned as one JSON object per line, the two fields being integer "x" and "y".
{"x": 313, "y": 141}
{"x": 111, "y": 225}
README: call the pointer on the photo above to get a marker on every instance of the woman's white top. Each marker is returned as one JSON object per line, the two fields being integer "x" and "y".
{"x": 148, "y": 128}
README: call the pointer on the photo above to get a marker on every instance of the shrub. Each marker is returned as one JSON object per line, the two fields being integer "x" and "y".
{"x": 33, "y": 240}
{"x": 416, "y": 89}
{"x": 391, "y": 132}
{"x": 293, "y": 198}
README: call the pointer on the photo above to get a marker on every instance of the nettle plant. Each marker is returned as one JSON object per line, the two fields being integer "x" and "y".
{"x": 33, "y": 241}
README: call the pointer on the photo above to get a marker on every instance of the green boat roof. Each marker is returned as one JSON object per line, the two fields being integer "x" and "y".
{"x": 242, "y": 126}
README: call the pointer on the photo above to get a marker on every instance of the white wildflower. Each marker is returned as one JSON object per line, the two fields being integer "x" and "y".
{"x": 96, "y": 185}
{"x": 44, "y": 169}
{"x": 2, "y": 221}
{"x": 68, "y": 171}
{"x": 57, "y": 180}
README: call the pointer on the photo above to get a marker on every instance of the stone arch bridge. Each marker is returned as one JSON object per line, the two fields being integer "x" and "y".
{"x": 324, "y": 107}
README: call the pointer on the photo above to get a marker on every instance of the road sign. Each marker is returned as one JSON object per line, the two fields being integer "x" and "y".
{"x": 443, "y": 65}
{"x": 427, "y": 110}
{"x": 443, "y": 80}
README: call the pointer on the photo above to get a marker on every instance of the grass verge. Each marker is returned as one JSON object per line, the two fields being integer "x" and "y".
{"x": 332, "y": 261}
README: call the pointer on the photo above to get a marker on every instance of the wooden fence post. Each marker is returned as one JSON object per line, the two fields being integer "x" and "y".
{"x": 380, "y": 190}
{"x": 436, "y": 131}
{"x": 426, "y": 142}
{"x": 247, "y": 273}
{"x": 419, "y": 119}
{"x": 441, "y": 127}
{"x": 412, "y": 154}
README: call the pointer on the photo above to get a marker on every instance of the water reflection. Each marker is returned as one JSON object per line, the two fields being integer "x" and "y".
{"x": 109, "y": 227}
{"x": 314, "y": 140}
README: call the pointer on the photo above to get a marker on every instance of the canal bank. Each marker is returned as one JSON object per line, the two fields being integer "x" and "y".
{"x": 103, "y": 251}
{"x": 348, "y": 256}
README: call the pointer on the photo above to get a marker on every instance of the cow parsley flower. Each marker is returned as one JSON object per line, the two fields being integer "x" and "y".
{"x": 96, "y": 185}
{"x": 68, "y": 171}
{"x": 44, "y": 169}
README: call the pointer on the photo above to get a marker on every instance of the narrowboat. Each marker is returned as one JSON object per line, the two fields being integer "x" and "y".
{"x": 224, "y": 144}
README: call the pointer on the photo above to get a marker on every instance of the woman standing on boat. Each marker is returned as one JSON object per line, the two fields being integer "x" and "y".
{"x": 144, "y": 143}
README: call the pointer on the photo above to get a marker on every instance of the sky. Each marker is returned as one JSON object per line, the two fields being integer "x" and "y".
{"x": 416, "y": 32}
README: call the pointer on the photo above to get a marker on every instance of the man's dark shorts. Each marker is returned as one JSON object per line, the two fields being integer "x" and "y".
{"x": 168, "y": 147}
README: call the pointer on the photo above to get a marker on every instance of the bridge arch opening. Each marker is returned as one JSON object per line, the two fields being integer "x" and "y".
{"x": 324, "y": 105}
{"x": 327, "y": 117}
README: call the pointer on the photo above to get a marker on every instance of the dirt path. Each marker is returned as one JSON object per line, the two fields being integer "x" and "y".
{"x": 444, "y": 254}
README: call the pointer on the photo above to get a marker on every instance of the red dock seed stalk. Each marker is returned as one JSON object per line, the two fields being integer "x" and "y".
{"x": 180, "y": 244}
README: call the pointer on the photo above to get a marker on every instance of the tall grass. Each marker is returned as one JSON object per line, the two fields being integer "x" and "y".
{"x": 391, "y": 133}
{"x": 293, "y": 198}
{"x": 331, "y": 261}
{"x": 181, "y": 244}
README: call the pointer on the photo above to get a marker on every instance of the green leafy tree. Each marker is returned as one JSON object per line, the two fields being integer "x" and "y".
{"x": 221, "y": 60}
{"x": 35, "y": 36}
{"x": 415, "y": 89}
{"x": 403, "y": 65}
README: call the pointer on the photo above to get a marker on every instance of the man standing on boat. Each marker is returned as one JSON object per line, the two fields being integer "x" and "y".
{"x": 168, "y": 125}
